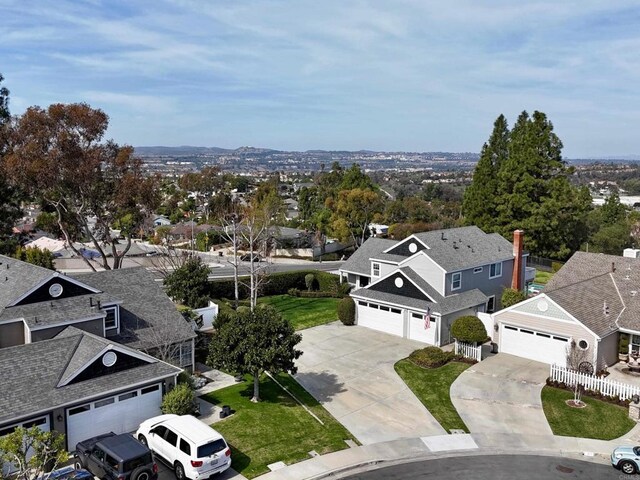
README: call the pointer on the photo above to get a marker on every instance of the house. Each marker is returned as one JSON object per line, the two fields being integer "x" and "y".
{"x": 584, "y": 308}
{"x": 86, "y": 354}
{"x": 161, "y": 221}
{"x": 417, "y": 287}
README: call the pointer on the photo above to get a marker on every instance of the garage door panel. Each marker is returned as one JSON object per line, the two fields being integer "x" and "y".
{"x": 417, "y": 330}
{"x": 119, "y": 414}
{"x": 380, "y": 319}
{"x": 528, "y": 343}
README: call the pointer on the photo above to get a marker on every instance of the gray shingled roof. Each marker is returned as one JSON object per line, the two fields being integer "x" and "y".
{"x": 18, "y": 277}
{"x": 440, "y": 304}
{"x": 360, "y": 261}
{"x": 586, "y": 283}
{"x": 147, "y": 315}
{"x": 86, "y": 349}
{"x": 32, "y": 388}
{"x": 465, "y": 247}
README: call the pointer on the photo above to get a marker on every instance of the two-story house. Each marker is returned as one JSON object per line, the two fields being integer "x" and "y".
{"x": 86, "y": 354}
{"x": 417, "y": 287}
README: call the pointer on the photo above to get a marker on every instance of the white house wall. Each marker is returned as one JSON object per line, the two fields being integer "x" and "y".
{"x": 428, "y": 270}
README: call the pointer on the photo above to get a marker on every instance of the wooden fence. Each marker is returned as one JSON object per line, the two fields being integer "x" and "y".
{"x": 610, "y": 388}
{"x": 468, "y": 350}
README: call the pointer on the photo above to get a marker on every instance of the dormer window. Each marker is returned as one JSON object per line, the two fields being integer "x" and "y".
{"x": 112, "y": 320}
{"x": 376, "y": 269}
{"x": 456, "y": 281}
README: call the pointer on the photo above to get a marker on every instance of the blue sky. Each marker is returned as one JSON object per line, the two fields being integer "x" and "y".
{"x": 413, "y": 75}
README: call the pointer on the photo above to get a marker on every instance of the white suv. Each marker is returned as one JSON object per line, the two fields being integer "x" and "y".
{"x": 195, "y": 450}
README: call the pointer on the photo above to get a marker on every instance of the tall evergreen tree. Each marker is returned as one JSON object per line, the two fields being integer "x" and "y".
{"x": 480, "y": 197}
{"x": 531, "y": 191}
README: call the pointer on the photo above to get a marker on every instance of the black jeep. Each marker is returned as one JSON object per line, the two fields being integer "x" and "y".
{"x": 116, "y": 457}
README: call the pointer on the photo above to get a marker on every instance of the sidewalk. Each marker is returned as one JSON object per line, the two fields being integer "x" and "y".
{"x": 347, "y": 462}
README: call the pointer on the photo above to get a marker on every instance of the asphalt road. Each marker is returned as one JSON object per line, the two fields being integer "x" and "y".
{"x": 226, "y": 271}
{"x": 495, "y": 467}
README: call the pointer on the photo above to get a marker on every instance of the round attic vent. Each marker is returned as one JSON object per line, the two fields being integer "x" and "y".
{"x": 413, "y": 248}
{"x": 109, "y": 359}
{"x": 543, "y": 306}
{"x": 399, "y": 282}
{"x": 55, "y": 290}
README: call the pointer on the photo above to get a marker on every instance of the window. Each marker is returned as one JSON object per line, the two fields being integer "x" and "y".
{"x": 510, "y": 328}
{"x": 543, "y": 335}
{"x": 33, "y": 423}
{"x": 491, "y": 304}
{"x": 382, "y": 307}
{"x": 153, "y": 388}
{"x": 160, "y": 430}
{"x": 495, "y": 270}
{"x": 417, "y": 315}
{"x": 364, "y": 281}
{"x": 171, "y": 437}
{"x": 81, "y": 409}
{"x": 373, "y": 305}
{"x": 526, "y": 331}
{"x": 376, "y": 269}
{"x": 362, "y": 304}
{"x": 583, "y": 344}
{"x": 111, "y": 462}
{"x": 185, "y": 447}
{"x": 477, "y": 270}
{"x": 99, "y": 454}
{"x": 456, "y": 281}
{"x": 185, "y": 354}
{"x": 104, "y": 403}
{"x": 560, "y": 338}
{"x": 211, "y": 448}
{"x": 127, "y": 396}
{"x": 111, "y": 320}
{"x": 395, "y": 310}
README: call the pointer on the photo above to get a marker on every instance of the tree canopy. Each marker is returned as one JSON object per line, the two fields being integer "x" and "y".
{"x": 58, "y": 157}
{"x": 189, "y": 284}
{"x": 522, "y": 182}
{"x": 254, "y": 341}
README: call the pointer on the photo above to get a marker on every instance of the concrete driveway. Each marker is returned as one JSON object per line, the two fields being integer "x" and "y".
{"x": 350, "y": 371}
{"x": 502, "y": 395}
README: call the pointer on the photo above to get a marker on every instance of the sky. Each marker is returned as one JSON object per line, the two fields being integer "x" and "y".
{"x": 392, "y": 75}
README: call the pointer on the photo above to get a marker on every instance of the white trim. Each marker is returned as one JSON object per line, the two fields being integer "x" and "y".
{"x": 373, "y": 269}
{"x": 370, "y": 300}
{"x": 69, "y": 322}
{"x": 54, "y": 275}
{"x": 624, "y": 305}
{"x": 412, "y": 236}
{"x": 111, "y": 347}
{"x": 354, "y": 273}
{"x": 487, "y": 304}
{"x": 453, "y": 274}
{"x": 478, "y": 270}
{"x": 116, "y": 310}
{"x": 386, "y": 262}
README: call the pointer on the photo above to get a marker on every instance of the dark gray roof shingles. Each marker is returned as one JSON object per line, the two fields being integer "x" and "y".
{"x": 360, "y": 261}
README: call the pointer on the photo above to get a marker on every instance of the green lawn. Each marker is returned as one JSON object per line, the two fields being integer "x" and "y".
{"x": 275, "y": 429}
{"x": 304, "y": 312}
{"x": 542, "y": 277}
{"x": 599, "y": 420}
{"x": 431, "y": 386}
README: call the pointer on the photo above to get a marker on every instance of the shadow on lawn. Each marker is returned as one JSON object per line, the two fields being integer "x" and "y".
{"x": 323, "y": 385}
{"x": 239, "y": 461}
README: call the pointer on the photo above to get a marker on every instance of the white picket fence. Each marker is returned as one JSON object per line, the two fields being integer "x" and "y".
{"x": 610, "y": 388}
{"x": 468, "y": 350}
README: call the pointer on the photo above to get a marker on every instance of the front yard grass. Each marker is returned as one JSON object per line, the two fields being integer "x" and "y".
{"x": 542, "y": 277}
{"x": 304, "y": 312}
{"x": 599, "y": 420}
{"x": 431, "y": 386}
{"x": 275, "y": 429}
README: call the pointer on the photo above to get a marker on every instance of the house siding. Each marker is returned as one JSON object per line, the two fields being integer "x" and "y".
{"x": 608, "y": 350}
{"x": 481, "y": 281}
{"x": 11, "y": 334}
{"x": 92, "y": 326}
{"x": 447, "y": 320}
{"x": 429, "y": 270}
{"x": 385, "y": 269}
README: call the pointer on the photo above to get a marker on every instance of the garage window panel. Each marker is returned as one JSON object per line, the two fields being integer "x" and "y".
{"x": 561, "y": 339}
{"x": 363, "y": 304}
{"x": 543, "y": 335}
{"x": 81, "y": 409}
{"x": 395, "y": 310}
{"x": 510, "y": 328}
{"x": 104, "y": 403}
{"x": 529, "y": 332}
{"x": 127, "y": 396}
{"x": 384, "y": 308}
{"x": 373, "y": 305}
{"x": 150, "y": 389}
{"x": 35, "y": 423}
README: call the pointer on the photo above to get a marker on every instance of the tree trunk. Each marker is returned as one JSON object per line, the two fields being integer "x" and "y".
{"x": 67, "y": 237}
{"x": 256, "y": 387}
{"x": 235, "y": 266}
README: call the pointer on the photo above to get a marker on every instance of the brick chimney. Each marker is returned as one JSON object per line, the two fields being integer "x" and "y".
{"x": 517, "y": 278}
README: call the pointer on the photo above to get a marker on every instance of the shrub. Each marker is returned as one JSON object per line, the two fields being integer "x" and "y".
{"x": 469, "y": 329}
{"x": 431, "y": 357}
{"x": 555, "y": 266}
{"x": 623, "y": 343}
{"x": 344, "y": 289}
{"x": 511, "y": 296}
{"x": 294, "y": 292}
{"x": 347, "y": 311}
{"x": 180, "y": 401}
{"x": 309, "y": 280}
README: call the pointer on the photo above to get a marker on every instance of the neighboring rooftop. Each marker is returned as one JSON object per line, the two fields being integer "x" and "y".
{"x": 17, "y": 277}
{"x": 360, "y": 261}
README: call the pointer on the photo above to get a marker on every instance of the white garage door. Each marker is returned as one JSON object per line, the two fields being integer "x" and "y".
{"x": 119, "y": 414}
{"x": 421, "y": 329}
{"x": 41, "y": 422}
{"x": 380, "y": 317}
{"x": 534, "y": 345}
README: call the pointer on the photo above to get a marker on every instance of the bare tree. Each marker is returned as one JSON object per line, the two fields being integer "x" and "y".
{"x": 230, "y": 233}
{"x": 578, "y": 360}
{"x": 255, "y": 233}
{"x": 169, "y": 259}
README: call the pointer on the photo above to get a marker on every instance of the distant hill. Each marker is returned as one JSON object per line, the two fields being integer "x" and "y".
{"x": 181, "y": 151}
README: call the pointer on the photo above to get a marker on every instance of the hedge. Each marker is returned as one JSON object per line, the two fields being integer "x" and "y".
{"x": 277, "y": 284}
{"x": 469, "y": 329}
{"x": 431, "y": 357}
{"x": 347, "y": 311}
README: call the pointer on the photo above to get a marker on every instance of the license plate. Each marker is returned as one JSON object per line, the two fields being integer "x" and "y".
{"x": 214, "y": 461}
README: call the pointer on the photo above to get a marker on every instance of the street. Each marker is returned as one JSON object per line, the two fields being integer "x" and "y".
{"x": 491, "y": 467}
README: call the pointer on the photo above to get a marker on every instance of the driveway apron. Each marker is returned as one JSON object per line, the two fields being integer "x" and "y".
{"x": 502, "y": 395}
{"x": 350, "y": 371}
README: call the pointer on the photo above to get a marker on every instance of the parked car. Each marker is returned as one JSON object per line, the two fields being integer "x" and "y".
{"x": 116, "y": 457}
{"x": 194, "y": 450}
{"x": 626, "y": 459}
{"x": 247, "y": 257}
{"x": 67, "y": 473}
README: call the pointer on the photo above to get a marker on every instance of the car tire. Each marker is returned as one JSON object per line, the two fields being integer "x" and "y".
{"x": 627, "y": 467}
{"x": 179, "y": 471}
{"x": 143, "y": 440}
{"x": 77, "y": 464}
{"x": 141, "y": 473}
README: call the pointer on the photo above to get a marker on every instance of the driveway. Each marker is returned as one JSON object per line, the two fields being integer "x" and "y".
{"x": 350, "y": 371}
{"x": 502, "y": 395}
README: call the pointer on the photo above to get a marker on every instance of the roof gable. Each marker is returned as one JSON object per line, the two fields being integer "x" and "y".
{"x": 54, "y": 288}
{"x": 407, "y": 247}
{"x": 17, "y": 278}
{"x": 397, "y": 283}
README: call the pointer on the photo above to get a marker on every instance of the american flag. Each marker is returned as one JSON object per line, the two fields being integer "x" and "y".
{"x": 427, "y": 319}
